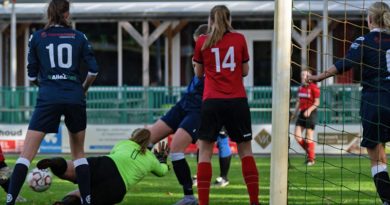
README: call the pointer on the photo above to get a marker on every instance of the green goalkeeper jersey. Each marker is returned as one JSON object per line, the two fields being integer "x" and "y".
{"x": 134, "y": 166}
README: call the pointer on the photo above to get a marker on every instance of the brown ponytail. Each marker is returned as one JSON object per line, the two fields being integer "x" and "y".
{"x": 219, "y": 23}
{"x": 56, "y": 13}
{"x": 379, "y": 14}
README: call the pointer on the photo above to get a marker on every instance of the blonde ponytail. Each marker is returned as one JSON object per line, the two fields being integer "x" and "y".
{"x": 218, "y": 25}
{"x": 379, "y": 14}
{"x": 386, "y": 19}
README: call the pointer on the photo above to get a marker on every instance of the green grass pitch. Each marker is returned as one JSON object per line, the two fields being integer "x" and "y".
{"x": 324, "y": 183}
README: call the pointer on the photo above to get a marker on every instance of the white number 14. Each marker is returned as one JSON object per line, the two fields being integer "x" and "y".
{"x": 225, "y": 64}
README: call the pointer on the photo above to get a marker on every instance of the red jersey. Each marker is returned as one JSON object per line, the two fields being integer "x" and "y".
{"x": 222, "y": 64}
{"x": 307, "y": 95}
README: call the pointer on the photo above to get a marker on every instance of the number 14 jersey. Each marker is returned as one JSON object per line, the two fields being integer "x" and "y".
{"x": 222, "y": 64}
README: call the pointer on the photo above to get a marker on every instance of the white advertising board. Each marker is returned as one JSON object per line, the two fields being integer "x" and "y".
{"x": 331, "y": 139}
{"x": 101, "y": 138}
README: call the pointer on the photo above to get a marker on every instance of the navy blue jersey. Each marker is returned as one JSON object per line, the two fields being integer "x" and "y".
{"x": 54, "y": 59}
{"x": 372, "y": 53}
{"x": 192, "y": 98}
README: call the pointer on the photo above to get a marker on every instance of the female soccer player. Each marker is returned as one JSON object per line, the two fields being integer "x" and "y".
{"x": 222, "y": 55}
{"x": 371, "y": 53}
{"x": 183, "y": 121}
{"x": 54, "y": 59}
{"x": 306, "y": 111}
{"x": 113, "y": 175}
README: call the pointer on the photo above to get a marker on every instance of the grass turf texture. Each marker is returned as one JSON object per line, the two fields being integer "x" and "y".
{"x": 306, "y": 184}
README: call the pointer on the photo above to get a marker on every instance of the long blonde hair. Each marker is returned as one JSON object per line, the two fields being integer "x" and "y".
{"x": 141, "y": 136}
{"x": 219, "y": 23}
{"x": 379, "y": 14}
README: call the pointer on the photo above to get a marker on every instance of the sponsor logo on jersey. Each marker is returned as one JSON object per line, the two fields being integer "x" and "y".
{"x": 361, "y": 38}
{"x": 43, "y": 35}
{"x": 61, "y": 77}
{"x": 355, "y": 45}
{"x": 304, "y": 95}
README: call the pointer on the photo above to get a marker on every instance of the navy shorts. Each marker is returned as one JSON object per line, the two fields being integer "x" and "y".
{"x": 234, "y": 114}
{"x": 177, "y": 117}
{"x": 46, "y": 118}
{"x": 307, "y": 122}
{"x": 375, "y": 112}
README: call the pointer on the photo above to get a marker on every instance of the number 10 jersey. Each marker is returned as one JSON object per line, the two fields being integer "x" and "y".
{"x": 54, "y": 59}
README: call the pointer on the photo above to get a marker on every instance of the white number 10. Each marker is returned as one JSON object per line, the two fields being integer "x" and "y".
{"x": 60, "y": 53}
{"x": 225, "y": 64}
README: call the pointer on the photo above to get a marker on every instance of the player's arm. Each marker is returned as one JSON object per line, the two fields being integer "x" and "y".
{"x": 245, "y": 69}
{"x": 245, "y": 57}
{"x": 33, "y": 62}
{"x": 352, "y": 59}
{"x": 296, "y": 110}
{"x": 160, "y": 167}
{"x": 89, "y": 59}
{"x": 314, "y": 106}
{"x": 198, "y": 69}
{"x": 198, "y": 58}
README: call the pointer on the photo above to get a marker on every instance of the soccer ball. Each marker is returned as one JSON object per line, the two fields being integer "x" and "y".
{"x": 39, "y": 180}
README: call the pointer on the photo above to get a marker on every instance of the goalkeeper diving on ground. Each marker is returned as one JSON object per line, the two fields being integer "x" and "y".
{"x": 112, "y": 175}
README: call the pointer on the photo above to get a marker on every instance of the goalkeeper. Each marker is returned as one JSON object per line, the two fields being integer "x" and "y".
{"x": 112, "y": 175}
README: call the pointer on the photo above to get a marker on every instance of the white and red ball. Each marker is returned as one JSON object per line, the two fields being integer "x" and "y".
{"x": 39, "y": 180}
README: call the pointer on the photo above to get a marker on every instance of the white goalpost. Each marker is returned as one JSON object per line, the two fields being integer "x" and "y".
{"x": 281, "y": 64}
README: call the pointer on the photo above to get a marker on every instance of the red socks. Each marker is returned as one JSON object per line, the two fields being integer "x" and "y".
{"x": 311, "y": 154}
{"x": 303, "y": 144}
{"x": 251, "y": 177}
{"x": 204, "y": 178}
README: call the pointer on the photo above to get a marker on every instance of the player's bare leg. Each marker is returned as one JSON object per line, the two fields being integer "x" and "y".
{"x": 379, "y": 171}
{"x": 298, "y": 137}
{"x": 181, "y": 140}
{"x": 83, "y": 175}
{"x": 31, "y": 146}
{"x": 158, "y": 131}
{"x": 249, "y": 171}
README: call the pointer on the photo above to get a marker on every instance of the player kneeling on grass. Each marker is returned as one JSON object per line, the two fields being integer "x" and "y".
{"x": 113, "y": 175}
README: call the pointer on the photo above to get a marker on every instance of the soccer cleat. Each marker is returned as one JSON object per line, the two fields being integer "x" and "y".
{"x": 5, "y": 174}
{"x": 194, "y": 181}
{"x": 221, "y": 182}
{"x": 187, "y": 200}
{"x": 20, "y": 199}
{"x": 310, "y": 163}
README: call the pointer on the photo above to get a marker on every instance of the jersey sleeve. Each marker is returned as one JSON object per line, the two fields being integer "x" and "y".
{"x": 198, "y": 50}
{"x": 353, "y": 57}
{"x": 33, "y": 61}
{"x": 89, "y": 57}
{"x": 316, "y": 91}
{"x": 245, "y": 53}
{"x": 158, "y": 169}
